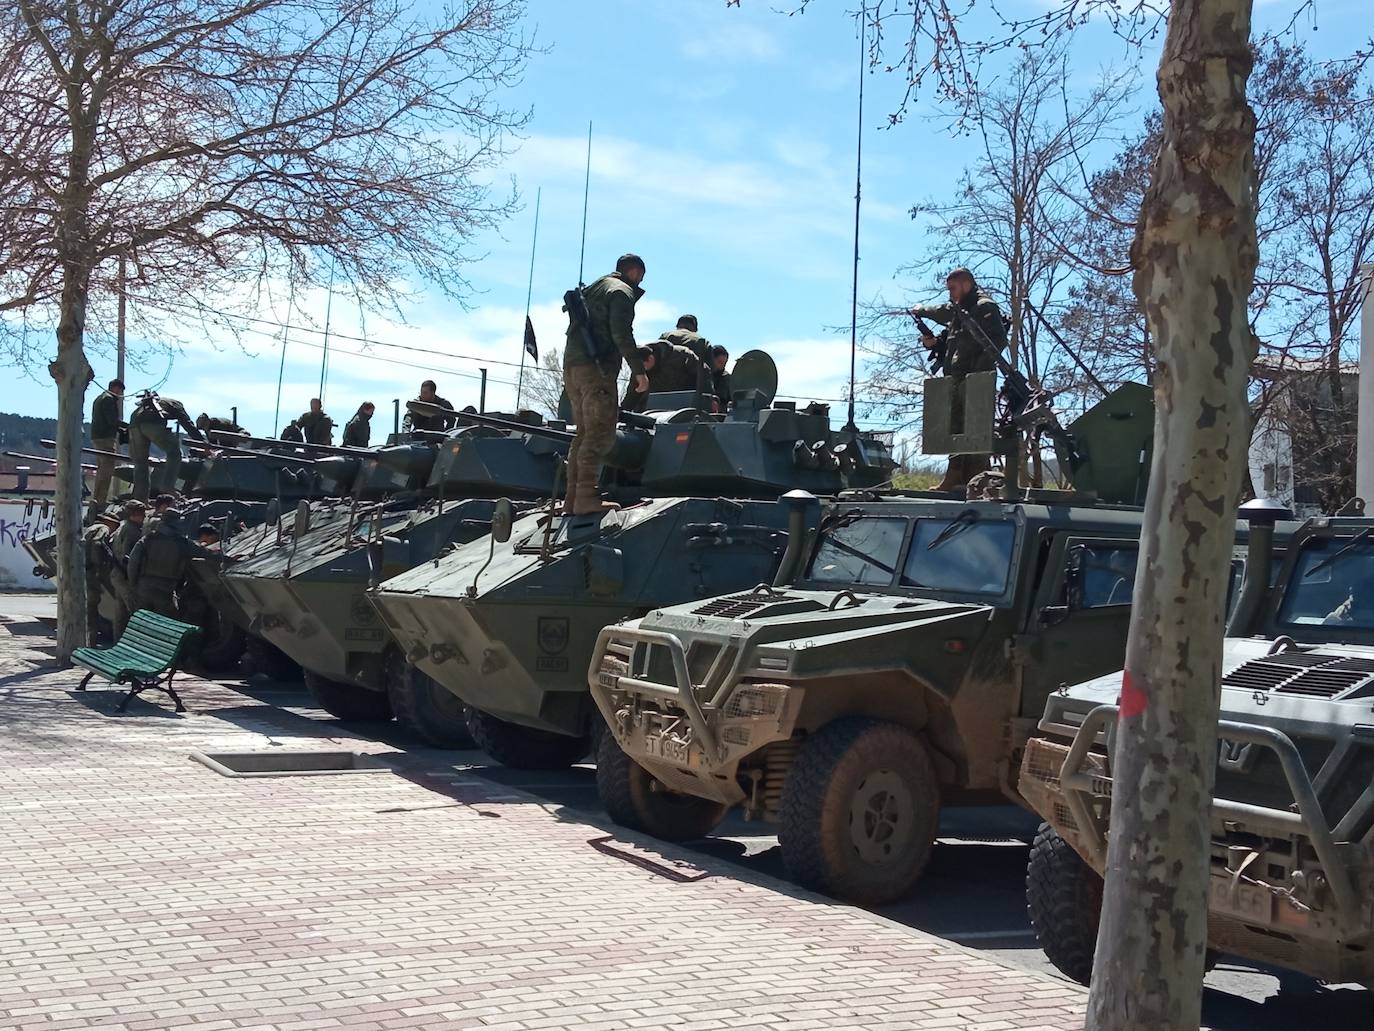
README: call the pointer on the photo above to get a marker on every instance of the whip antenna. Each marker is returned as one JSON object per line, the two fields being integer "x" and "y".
{"x": 529, "y": 296}
{"x": 586, "y": 192}
{"x": 858, "y": 193}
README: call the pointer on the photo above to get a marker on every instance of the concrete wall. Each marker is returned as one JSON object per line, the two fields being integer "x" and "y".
{"x": 16, "y": 567}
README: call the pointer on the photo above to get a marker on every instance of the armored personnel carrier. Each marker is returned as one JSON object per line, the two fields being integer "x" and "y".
{"x": 508, "y": 625}
{"x": 305, "y": 593}
{"x": 898, "y": 664}
{"x": 1292, "y": 851}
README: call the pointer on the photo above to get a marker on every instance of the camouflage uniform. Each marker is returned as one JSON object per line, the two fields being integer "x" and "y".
{"x": 433, "y": 423}
{"x": 962, "y": 355}
{"x": 590, "y": 381}
{"x": 95, "y": 541}
{"x": 148, "y": 425}
{"x": 358, "y": 431}
{"x": 121, "y": 544}
{"x": 105, "y": 427}
{"x": 317, "y": 427}
{"x": 158, "y": 564}
{"x": 675, "y": 369}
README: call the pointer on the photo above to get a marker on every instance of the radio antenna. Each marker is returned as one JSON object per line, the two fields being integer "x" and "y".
{"x": 586, "y": 193}
{"x": 529, "y": 296}
{"x": 858, "y": 194}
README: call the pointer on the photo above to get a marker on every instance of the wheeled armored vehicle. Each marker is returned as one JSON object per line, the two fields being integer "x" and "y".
{"x": 1292, "y": 849}
{"x": 508, "y": 626}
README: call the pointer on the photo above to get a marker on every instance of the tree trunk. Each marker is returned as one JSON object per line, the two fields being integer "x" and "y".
{"x": 1195, "y": 255}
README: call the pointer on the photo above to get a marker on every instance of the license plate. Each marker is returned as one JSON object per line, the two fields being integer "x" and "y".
{"x": 666, "y": 748}
{"x": 608, "y": 680}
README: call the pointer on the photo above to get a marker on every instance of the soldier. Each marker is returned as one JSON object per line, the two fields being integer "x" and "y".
{"x": 720, "y": 379}
{"x": 158, "y": 564}
{"x": 590, "y": 378}
{"x": 129, "y": 532}
{"x": 148, "y": 425}
{"x": 686, "y": 335}
{"x": 636, "y": 400}
{"x": 359, "y": 429}
{"x": 206, "y": 535}
{"x": 106, "y": 429}
{"x": 95, "y": 540}
{"x": 160, "y": 505}
{"x": 316, "y": 426}
{"x": 960, "y": 354}
{"x": 210, "y": 423}
{"x": 435, "y": 423}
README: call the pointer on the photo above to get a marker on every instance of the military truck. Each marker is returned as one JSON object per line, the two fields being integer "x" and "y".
{"x": 1292, "y": 850}
{"x": 508, "y": 625}
{"x": 306, "y": 593}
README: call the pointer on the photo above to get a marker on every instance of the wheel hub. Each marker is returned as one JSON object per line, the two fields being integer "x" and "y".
{"x": 881, "y": 816}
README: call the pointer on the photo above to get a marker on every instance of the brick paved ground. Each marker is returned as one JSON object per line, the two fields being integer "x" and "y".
{"x": 141, "y": 890}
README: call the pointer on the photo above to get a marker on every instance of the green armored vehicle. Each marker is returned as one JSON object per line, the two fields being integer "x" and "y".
{"x": 508, "y": 625}
{"x": 1292, "y": 851}
{"x": 305, "y": 594}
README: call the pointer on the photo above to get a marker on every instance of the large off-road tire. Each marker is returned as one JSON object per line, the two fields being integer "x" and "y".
{"x": 348, "y": 701}
{"x": 523, "y": 748}
{"x": 430, "y": 712}
{"x": 635, "y": 800}
{"x": 860, "y": 811}
{"x": 1064, "y": 902}
{"x": 221, "y": 644}
{"x": 265, "y": 658}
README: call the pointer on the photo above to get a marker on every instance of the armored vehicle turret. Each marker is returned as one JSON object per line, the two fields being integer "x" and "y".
{"x": 508, "y": 626}
{"x": 1292, "y": 849}
{"x": 304, "y": 592}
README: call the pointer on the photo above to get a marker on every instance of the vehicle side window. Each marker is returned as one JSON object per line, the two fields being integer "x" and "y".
{"x": 862, "y": 550}
{"x": 1103, "y": 574}
{"x": 967, "y": 557}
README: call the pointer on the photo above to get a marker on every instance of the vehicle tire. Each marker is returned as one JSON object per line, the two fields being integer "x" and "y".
{"x": 1064, "y": 902}
{"x": 860, "y": 810}
{"x": 627, "y": 791}
{"x": 523, "y": 748}
{"x": 348, "y": 701}
{"x": 429, "y": 711}
{"x": 221, "y": 644}
{"x": 264, "y": 657}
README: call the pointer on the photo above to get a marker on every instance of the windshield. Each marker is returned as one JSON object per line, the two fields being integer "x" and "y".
{"x": 1332, "y": 584}
{"x": 964, "y": 555}
{"x": 859, "y": 549}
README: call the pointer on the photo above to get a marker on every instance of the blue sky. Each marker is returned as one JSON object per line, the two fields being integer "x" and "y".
{"x": 723, "y": 152}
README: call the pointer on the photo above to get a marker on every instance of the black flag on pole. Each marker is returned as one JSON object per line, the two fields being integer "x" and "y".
{"x": 531, "y": 348}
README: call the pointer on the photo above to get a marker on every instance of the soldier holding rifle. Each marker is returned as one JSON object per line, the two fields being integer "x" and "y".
{"x": 957, "y": 353}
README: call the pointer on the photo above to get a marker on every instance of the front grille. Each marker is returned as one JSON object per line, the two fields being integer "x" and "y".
{"x": 1309, "y": 674}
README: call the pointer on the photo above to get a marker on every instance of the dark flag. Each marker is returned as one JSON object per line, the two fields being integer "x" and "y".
{"x": 531, "y": 348}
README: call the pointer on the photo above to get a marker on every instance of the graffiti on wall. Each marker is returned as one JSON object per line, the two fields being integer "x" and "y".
{"x": 18, "y": 524}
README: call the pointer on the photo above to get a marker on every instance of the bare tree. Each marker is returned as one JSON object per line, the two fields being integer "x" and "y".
{"x": 1010, "y": 217}
{"x": 235, "y": 146}
{"x": 1194, "y": 256}
{"x": 544, "y": 382}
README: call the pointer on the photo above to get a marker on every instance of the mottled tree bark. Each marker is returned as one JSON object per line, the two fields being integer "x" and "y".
{"x": 1195, "y": 253}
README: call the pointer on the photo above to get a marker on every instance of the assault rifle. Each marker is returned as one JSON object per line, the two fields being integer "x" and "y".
{"x": 575, "y": 304}
{"x": 1031, "y": 407}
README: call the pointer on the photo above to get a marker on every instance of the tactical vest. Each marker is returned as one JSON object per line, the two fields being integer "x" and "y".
{"x": 164, "y": 556}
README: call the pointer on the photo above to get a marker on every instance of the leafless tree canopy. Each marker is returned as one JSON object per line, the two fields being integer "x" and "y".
{"x": 249, "y": 141}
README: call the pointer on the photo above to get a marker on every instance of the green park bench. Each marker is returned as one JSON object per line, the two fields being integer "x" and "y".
{"x": 145, "y": 656}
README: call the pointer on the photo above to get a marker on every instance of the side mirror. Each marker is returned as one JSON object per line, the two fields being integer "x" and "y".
{"x": 502, "y": 520}
{"x": 302, "y": 524}
{"x": 1073, "y": 579}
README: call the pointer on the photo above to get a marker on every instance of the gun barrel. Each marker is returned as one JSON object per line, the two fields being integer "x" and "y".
{"x": 99, "y": 452}
{"x": 266, "y": 456}
{"x": 495, "y": 422}
{"x": 39, "y": 458}
{"x": 324, "y": 449}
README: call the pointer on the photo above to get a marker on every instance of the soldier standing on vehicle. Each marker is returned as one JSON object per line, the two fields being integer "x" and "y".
{"x": 106, "y": 429}
{"x": 159, "y": 563}
{"x": 316, "y": 426}
{"x": 434, "y": 423}
{"x": 720, "y": 379}
{"x": 147, "y": 426}
{"x": 685, "y": 335}
{"x": 959, "y": 353}
{"x": 591, "y": 364}
{"x": 359, "y": 429}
